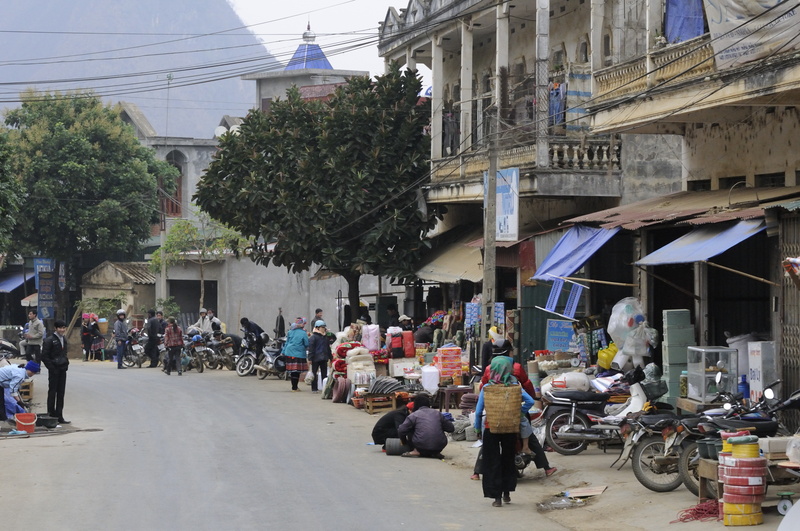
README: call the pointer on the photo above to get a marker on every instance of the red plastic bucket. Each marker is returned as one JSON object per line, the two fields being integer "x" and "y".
{"x": 26, "y": 421}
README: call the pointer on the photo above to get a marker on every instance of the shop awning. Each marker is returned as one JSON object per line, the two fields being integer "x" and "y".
{"x": 454, "y": 262}
{"x": 11, "y": 281}
{"x": 703, "y": 243}
{"x": 577, "y": 245}
{"x": 31, "y": 300}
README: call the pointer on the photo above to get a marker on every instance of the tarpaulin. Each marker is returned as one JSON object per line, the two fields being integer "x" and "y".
{"x": 577, "y": 245}
{"x": 683, "y": 20}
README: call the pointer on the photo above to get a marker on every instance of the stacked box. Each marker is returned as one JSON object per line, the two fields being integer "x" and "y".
{"x": 448, "y": 361}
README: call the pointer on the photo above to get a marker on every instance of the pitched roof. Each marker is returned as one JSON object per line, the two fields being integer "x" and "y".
{"x": 309, "y": 55}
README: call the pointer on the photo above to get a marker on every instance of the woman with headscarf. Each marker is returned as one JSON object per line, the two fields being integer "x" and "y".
{"x": 499, "y": 449}
{"x": 296, "y": 351}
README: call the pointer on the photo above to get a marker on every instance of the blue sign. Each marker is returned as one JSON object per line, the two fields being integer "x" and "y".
{"x": 559, "y": 335}
{"x": 42, "y": 264}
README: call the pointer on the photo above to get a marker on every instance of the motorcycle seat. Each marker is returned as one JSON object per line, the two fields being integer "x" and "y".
{"x": 656, "y": 418}
{"x": 581, "y": 396}
{"x": 762, "y": 427}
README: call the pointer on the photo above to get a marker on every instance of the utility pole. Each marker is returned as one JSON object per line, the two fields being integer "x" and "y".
{"x": 162, "y": 284}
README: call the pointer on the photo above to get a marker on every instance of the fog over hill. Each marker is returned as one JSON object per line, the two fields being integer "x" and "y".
{"x": 124, "y": 51}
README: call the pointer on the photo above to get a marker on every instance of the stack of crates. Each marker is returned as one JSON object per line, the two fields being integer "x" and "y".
{"x": 678, "y": 335}
{"x": 26, "y": 390}
{"x": 448, "y": 361}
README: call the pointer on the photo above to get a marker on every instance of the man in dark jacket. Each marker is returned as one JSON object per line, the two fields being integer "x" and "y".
{"x": 54, "y": 356}
{"x": 424, "y": 429}
{"x": 153, "y": 329}
{"x": 387, "y": 425}
{"x": 319, "y": 353}
{"x": 249, "y": 327}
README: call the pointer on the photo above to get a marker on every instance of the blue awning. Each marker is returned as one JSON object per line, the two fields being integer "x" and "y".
{"x": 11, "y": 281}
{"x": 703, "y": 243}
{"x": 577, "y": 245}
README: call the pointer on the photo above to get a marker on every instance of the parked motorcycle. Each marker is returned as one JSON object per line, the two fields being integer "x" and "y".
{"x": 8, "y": 348}
{"x": 195, "y": 348}
{"x": 134, "y": 350}
{"x": 272, "y": 362}
{"x": 644, "y": 445}
{"x": 577, "y": 418}
{"x": 248, "y": 357}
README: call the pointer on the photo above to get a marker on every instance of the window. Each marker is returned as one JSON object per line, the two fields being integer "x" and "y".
{"x": 770, "y": 180}
{"x": 725, "y": 183}
{"x": 173, "y": 205}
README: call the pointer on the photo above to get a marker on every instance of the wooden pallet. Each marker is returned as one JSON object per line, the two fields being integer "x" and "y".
{"x": 373, "y": 402}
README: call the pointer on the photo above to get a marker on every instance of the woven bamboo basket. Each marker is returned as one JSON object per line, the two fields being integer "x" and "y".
{"x": 503, "y": 405}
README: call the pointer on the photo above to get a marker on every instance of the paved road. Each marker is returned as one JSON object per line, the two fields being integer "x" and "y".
{"x": 215, "y": 451}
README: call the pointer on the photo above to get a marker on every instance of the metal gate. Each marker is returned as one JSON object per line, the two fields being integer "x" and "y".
{"x": 789, "y": 345}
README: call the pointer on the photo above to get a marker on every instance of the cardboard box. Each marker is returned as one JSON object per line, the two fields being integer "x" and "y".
{"x": 679, "y": 336}
{"x": 397, "y": 367}
{"x": 674, "y": 355}
{"x": 774, "y": 446}
{"x": 676, "y": 318}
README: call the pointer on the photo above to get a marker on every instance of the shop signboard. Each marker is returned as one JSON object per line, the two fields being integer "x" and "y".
{"x": 559, "y": 335}
{"x": 761, "y": 367}
{"x": 47, "y": 294}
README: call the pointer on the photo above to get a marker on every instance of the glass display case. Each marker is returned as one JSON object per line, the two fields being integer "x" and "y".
{"x": 703, "y": 364}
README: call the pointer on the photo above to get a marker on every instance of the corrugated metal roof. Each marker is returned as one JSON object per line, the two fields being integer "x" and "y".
{"x": 694, "y": 208}
{"x": 139, "y": 272}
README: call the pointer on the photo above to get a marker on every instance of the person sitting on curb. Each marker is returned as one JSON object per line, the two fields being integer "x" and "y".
{"x": 11, "y": 378}
{"x": 388, "y": 425}
{"x": 424, "y": 430}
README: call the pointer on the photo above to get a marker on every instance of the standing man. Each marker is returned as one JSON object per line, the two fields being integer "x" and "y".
{"x": 120, "y": 336}
{"x": 391, "y": 310}
{"x": 11, "y": 377}
{"x": 214, "y": 322}
{"x": 54, "y": 356}
{"x": 319, "y": 353}
{"x": 32, "y": 344}
{"x": 153, "y": 329}
{"x": 161, "y": 322}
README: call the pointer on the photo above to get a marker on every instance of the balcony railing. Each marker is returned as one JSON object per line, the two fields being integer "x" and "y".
{"x": 564, "y": 154}
{"x": 672, "y": 65}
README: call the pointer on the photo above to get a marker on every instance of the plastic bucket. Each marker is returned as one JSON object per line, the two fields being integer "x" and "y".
{"x": 26, "y": 421}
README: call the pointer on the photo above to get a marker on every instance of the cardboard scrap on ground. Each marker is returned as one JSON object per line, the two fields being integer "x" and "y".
{"x": 585, "y": 492}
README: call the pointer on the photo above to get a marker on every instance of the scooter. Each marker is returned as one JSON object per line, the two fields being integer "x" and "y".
{"x": 577, "y": 418}
{"x": 273, "y": 362}
{"x": 134, "y": 351}
{"x": 248, "y": 357}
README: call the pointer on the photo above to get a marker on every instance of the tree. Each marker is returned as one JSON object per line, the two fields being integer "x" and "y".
{"x": 334, "y": 184}
{"x": 88, "y": 184}
{"x": 201, "y": 242}
{"x": 9, "y": 198}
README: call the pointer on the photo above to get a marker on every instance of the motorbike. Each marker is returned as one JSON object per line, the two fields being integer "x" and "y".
{"x": 272, "y": 362}
{"x": 644, "y": 445}
{"x": 195, "y": 348}
{"x": 248, "y": 357}
{"x": 8, "y": 349}
{"x": 134, "y": 350}
{"x": 577, "y": 418}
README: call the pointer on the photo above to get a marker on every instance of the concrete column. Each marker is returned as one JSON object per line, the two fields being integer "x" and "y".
{"x": 437, "y": 72}
{"x": 411, "y": 61}
{"x": 596, "y": 38}
{"x": 466, "y": 86}
{"x": 542, "y": 75}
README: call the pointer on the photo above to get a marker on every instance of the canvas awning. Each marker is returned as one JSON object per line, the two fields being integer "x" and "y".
{"x": 11, "y": 281}
{"x": 703, "y": 243}
{"x": 31, "y": 300}
{"x": 574, "y": 248}
{"x": 454, "y": 262}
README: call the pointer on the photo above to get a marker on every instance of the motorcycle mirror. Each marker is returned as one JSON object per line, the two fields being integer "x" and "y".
{"x": 727, "y": 406}
{"x": 718, "y": 377}
{"x": 769, "y": 393}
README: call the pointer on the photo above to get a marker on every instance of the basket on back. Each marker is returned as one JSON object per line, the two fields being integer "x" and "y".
{"x": 503, "y": 405}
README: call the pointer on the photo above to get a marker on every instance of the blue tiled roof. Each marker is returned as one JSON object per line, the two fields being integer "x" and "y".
{"x": 308, "y": 55}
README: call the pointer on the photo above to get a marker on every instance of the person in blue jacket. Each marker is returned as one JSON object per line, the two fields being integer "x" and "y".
{"x": 296, "y": 351}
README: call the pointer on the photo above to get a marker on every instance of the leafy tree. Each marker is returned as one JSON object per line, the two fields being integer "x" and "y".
{"x": 333, "y": 183}
{"x": 9, "y": 198}
{"x": 89, "y": 185}
{"x": 201, "y": 242}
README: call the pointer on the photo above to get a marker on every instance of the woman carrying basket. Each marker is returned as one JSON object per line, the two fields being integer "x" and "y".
{"x": 505, "y": 402}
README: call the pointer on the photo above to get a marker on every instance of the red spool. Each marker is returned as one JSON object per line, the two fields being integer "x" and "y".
{"x": 738, "y": 498}
{"x": 746, "y": 472}
{"x": 744, "y": 481}
{"x": 746, "y": 462}
{"x": 755, "y": 490}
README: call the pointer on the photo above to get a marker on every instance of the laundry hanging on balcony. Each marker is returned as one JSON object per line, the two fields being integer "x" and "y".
{"x": 558, "y": 104}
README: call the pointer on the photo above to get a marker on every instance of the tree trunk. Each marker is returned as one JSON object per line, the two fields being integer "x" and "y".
{"x": 352, "y": 278}
{"x": 202, "y": 284}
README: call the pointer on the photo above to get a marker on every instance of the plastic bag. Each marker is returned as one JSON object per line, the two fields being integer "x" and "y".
{"x": 309, "y": 377}
{"x": 626, "y": 315}
{"x": 793, "y": 449}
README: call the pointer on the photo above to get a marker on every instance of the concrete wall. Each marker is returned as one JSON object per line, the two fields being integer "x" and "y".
{"x": 651, "y": 166}
{"x": 761, "y": 144}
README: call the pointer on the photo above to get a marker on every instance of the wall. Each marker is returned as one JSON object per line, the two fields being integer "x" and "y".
{"x": 764, "y": 143}
{"x": 651, "y": 166}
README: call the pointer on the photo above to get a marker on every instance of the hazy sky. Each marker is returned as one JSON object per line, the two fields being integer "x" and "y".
{"x": 339, "y": 24}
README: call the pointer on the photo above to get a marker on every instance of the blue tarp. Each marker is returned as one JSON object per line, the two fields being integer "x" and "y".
{"x": 577, "y": 245}
{"x": 11, "y": 281}
{"x": 308, "y": 56}
{"x": 703, "y": 243}
{"x": 683, "y": 20}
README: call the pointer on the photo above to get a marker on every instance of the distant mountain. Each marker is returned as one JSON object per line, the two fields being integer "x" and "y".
{"x": 124, "y": 49}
